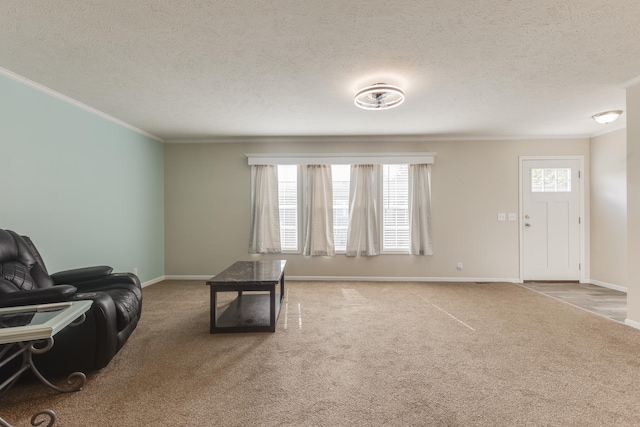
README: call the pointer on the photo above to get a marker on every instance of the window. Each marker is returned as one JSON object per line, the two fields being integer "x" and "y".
{"x": 550, "y": 180}
{"x": 396, "y": 172}
{"x": 395, "y": 207}
{"x": 395, "y": 213}
{"x": 340, "y": 175}
{"x": 288, "y": 206}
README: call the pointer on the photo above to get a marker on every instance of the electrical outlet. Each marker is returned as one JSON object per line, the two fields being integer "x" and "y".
{"x": 459, "y": 267}
{"x": 135, "y": 270}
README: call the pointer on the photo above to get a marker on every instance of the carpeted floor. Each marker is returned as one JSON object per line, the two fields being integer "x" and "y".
{"x": 361, "y": 354}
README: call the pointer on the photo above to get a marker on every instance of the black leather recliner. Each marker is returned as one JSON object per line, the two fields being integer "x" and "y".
{"x": 114, "y": 314}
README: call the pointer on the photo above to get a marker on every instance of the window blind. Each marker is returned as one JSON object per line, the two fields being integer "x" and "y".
{"x": 340, "y": 182}
{"x": 395, "y": 202}
{"x": 288, "y": 201}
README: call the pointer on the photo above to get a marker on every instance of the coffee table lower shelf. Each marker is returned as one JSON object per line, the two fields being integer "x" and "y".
{"x": 260, "y": 288}
{"x": 248, "y": 313}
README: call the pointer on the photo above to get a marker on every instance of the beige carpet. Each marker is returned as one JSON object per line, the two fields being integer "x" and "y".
{"x": 361, "y": 354}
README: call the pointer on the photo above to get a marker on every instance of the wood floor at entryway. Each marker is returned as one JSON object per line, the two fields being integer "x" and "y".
{"x": 597, "y": 299}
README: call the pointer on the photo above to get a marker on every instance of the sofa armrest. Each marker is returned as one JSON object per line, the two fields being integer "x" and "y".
{"x": 111, "y": 281}
{"x": 84, "y": 274}
{"x": 38, "y": 296}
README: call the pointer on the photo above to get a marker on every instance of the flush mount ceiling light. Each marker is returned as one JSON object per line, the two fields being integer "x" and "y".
{"x": 607, "y": 116}
{"x": 379, "y": 96}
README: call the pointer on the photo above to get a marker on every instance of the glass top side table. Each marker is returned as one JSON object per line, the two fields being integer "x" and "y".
{"x": 30, "y": 329}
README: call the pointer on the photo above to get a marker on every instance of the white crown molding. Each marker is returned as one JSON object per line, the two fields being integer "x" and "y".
{"x": 301, "y": 138}
{"x": 363, "y": 138}
{"x": 37, "y": 86}
{"x": 611, "y": 129}
{"x": 634, "y": 81}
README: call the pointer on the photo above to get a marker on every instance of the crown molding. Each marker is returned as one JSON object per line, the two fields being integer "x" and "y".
{"x": 301, "y": 138}
{"x": 634, "y": 81}
{"x": 364, "y": 138}
{"x": 41, "y": 88}
{"x": 610, "y": 128}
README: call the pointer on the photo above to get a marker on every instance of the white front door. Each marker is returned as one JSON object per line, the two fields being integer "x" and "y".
{"x": 550, "y": 219}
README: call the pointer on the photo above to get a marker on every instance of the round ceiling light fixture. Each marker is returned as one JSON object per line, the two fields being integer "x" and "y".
{"x": 607, "y": 117}
{"x": 379, "y": 96}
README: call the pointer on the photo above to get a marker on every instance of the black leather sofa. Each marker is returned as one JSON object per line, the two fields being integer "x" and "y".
{"x": 114, "y": 314}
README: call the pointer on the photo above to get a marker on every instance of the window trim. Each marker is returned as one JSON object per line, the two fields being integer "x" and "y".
{"x": 392, "y": 158}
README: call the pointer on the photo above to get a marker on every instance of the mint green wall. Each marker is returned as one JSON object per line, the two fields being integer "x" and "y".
{"x": 86, "y": 190}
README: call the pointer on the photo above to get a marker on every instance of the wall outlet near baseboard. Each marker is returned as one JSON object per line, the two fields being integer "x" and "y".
{"x": 459, "y": 266}
{"x": 135, "y": 270}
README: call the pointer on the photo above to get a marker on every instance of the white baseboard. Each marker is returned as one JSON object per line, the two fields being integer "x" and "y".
{"x": 189, "y": 277}
{"x": 628, "y": 322}
{"x": 632, "y": 323}
{"x": 398, "y": 279}
{"x": 379, "y": 279}
{"x": 153, "y": 281}
{"x": 608, "y": 285}
{"x": 363, "y": 278}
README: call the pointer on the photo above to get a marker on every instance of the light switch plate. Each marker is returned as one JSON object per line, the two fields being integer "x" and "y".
{"x": 512, "y": 217}
{"x": 502, "y": 217}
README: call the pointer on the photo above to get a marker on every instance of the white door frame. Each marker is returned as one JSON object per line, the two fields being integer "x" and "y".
{"x": 580, "y": 158}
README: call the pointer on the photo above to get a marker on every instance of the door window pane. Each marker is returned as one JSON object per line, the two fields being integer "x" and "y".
{"x": 551, "y": 180}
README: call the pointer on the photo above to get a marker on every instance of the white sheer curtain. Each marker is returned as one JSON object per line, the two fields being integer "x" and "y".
{"x": 318, "y": 211}
{"x": 363, "y": 235}
{"x": 265, "y": 212}
{"x": 420, "y": 210}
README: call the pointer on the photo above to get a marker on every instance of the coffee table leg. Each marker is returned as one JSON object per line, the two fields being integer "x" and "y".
{"x": 272, "y": 304}
{"x": 213, "y": 310}
{"x": 282, "y": 287}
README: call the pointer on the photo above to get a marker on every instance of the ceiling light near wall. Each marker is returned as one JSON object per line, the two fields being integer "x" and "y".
{"x": 607, "y": 116}
{"x": 379, "y": 96}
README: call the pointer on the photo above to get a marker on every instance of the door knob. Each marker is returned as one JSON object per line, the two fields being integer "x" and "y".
{"x": 526, "y": 224}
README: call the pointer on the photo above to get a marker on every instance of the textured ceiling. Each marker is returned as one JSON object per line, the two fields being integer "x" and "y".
{"x": 221, "y": 69}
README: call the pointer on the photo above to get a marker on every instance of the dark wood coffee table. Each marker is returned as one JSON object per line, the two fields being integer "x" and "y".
{"x": 257, "y": 305}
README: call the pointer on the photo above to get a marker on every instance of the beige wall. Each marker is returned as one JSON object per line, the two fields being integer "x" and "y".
{"x": 207, "y": 208}
{"x": 609, "y": 209}
{"x": 633, "y": 204}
